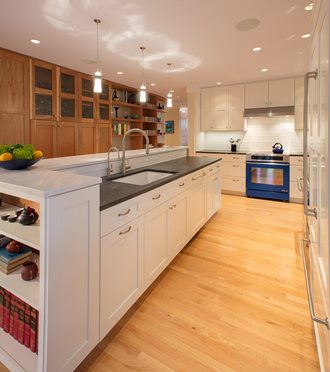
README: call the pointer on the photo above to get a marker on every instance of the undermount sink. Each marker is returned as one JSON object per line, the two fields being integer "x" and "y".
{"x": 144, "y": 177}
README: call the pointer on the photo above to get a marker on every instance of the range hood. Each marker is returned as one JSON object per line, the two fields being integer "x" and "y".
{"x": 269, "y": 112}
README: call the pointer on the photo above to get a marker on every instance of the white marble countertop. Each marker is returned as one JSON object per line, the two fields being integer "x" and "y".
{"x": 45, "y": 178}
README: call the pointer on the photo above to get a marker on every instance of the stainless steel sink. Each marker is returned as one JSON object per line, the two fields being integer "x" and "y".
{"x": 144, "y": 177}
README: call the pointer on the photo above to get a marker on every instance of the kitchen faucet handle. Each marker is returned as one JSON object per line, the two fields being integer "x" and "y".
{"x": 127, "y": 166}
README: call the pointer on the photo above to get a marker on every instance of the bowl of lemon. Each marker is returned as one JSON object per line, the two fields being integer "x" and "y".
{"x": 18, "y": 156}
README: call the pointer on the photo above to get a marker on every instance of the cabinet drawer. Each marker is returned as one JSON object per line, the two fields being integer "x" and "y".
{"x": 211, "y": 169}
{"x": 208, "y": 155}
{"x": 233, "y": 184}
{"x": 296, "y": 172}
{"x": 236, "y": 169}
{"x": 118, "y": 215}
{"x": 234, "y": 158}
{"x": 294, "y": 191}
{"x": 296, "y": 160}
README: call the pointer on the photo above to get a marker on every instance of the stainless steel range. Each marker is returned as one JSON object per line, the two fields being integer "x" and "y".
{"x": 268, "y": 176}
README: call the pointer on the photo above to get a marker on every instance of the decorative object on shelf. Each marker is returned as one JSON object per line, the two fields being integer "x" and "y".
{"x": 143, "y": 87}
{"x": 169, "y": 126}
{"x": 12, "y": 218}
{"x": 28, "y": 216}
{"x": 14, "y": 247}
{"x": 29, "y": 270}
{"x": 169, "y": 102}
{"x": 116, "y": 111}
{"x": 125, "y": 116}
{"x": 159, "y": 106}
{"x": 4, "y": 216}
{"x": 4, "y": 240}
{"x": 97, "y": 74}
{"x": 233, "y": 144}
{"x": 10, "y": 262}
{"x": 115, "y": 96}
{"x": 18, "y": 156}
{"x": 278, "y": 148}
{"x": 17, "y": 164}
{"x": 132, "y": 98}
{"x": 135, "y": 116}
{"x": 125, "y": 96}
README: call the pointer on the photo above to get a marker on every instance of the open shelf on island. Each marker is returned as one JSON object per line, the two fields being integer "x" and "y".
{"x": 27, "y": 291}
{"x": 26, "y": 234}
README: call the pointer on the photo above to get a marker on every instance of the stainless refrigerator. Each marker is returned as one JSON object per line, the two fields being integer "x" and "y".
{"x": 315, "y": 247}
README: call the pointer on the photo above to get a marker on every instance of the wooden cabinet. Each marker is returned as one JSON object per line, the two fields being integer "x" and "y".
{"x": 121, "y": 272}
{"x": 273, "y": 93}
{"x": 14, "y": 98}
{"x": 299, "y": 103}
{"x": 155, "y": 242}
{"x": 222, "y": 108}
{"x": 196, "y": 203}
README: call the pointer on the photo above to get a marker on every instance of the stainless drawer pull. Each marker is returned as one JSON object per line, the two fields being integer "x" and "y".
{"x": 211, "y": 170}
{"x": 216, "y": 178}
{"x": 235, "y": 166}
{"x": 126, "y": 231}
{"x": 309, "y": 296}
{"x": 196, "y": 178}
{"x": 156, "y": 197}
{"x": 121, "y": 214}
{"x": 181, "y": 184}
{"x": 218, "y": 166}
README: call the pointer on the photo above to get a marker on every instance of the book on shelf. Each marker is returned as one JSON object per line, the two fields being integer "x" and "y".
{"x": 33, "y": 330}
{"x": 6, "y": 311}
{"x": 9, "y": 268}
{"x": 20, "y": 324}
{"x": 27, "y": 328}
{"x": 10, "y": 258}
{"x": 2, "y": 299}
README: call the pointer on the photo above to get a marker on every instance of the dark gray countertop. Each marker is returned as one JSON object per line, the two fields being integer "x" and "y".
{"x": 237, "y": 152}
{"x": 112, "y": 193}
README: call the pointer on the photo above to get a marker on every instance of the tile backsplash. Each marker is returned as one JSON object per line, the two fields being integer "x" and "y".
{"x": 260, "y": 136}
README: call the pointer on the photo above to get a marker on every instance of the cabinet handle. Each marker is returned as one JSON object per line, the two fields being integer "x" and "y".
{"x": 174, "y": 205}
{"x": 299, "y": 184}
{"x": 121, "y": 214}
{"x": 211, "y": 170}
{"x": 216, "y": 178}
{"x": 170, "y": 207}
{"x": 218, "y": 166}
{"x": 196, "y": 178}
{"x": 126, "y": 231}
{"x": 308, "y": 287}
{"x": 181, "y": 184}
{"x": 156, "y": 197}
{"x": 235, "y": 166}
{"x": 235, "y": 157}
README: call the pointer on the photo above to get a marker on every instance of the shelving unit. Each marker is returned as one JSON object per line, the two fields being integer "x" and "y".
{"x": 153, "y": 120}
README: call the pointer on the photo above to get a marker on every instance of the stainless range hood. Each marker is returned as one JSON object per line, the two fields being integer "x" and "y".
{"x": 269, "y": 112}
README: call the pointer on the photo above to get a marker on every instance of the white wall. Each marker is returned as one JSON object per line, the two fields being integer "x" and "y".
{"x": 261, "y": 134}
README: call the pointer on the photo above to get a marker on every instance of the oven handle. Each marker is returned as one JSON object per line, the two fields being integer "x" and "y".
{"x": 261, "y": 163}
{"x": 307, "y": 211}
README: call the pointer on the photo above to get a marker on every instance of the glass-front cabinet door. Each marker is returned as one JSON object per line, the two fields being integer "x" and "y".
{"x": 68, "y": 95}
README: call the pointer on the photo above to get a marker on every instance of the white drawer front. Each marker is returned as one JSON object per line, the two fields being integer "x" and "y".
{"x": 208, "y": 155}
{"x": 211, "y": 169}
{"x": 236, "y": 169}
{"x": 118, "y": 215}
{"x": 296, "y": 160}
{"x": 296, "y": 172}
{"x": 233, "y": 158}
{"x": 233, "y": 184}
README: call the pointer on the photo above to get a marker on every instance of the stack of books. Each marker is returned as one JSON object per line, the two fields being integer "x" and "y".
{"x": 19, "y": 319}
{"x": 10, "y": 262}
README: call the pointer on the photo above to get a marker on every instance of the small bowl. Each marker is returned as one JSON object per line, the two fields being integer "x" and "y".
{"x": 15, "y": 164}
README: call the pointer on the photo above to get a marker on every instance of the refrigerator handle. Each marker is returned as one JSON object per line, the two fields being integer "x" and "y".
{"x": 307, "y": 211}
{"x": 309, "y": 294}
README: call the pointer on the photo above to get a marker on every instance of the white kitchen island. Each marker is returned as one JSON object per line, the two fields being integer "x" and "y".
{"x": 86, "y": 283}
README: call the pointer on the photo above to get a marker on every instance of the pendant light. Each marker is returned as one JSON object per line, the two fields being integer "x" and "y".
{"x": 143, "y": 87}
{"x": 98, "y": 74}
{"x": 169, "y": 102}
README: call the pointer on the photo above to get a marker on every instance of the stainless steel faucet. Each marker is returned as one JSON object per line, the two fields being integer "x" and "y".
{"x": 109, "y": 169}
{"x": 133, "y": 130}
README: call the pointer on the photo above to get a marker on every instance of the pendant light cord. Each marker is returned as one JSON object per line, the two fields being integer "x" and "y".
{"x": 142, "y": 66}
{"x": 169, "y": 77}
{"x": 97, "y": 21}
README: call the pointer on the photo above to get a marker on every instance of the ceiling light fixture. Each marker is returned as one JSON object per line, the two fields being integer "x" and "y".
{"x": 35, "y": 41}
{"x": 97, "y": 73}
{"x": 309, "y": 6}
{"x": 120, "y": 73}
{"x": 264, "y": 70}
{"x": 153, "y": 84}
{"x": 257, "y": 49}
{"x": 305, "y": 36}
{"x": 218, "y": 83}
{"x": 169, "y": 102}
{"x": 143, "y": 87}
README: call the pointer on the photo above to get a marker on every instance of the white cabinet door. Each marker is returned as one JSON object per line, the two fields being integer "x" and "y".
{"x": 155, "y": 249}
{"x": 256, "y": 94}
{"x": 236, "y": 120}
{"x": 220, "y": 120}
{"x": 71, "y": 279}
{"x": 196, "y": 204}
{"x": 236, "y": 97}
{"x": 281, "y": 93}
{"x": 220, "y": 107}
{"x": 207, "y": 117}
{"x": 121, "y": 272}
{"x": 299, "y": 91}
{"x": 212, "y": 189}
{"x": 177, "y": 224}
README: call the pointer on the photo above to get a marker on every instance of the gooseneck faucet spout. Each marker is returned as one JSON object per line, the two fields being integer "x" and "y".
{"x": 109, "y": 169}
{"x": 133, "y": 130}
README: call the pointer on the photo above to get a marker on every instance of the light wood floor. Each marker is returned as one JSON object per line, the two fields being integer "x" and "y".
{"x": 233, "y": 300}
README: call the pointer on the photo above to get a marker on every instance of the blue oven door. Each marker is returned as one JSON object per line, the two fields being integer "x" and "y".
{"x": 268, "y": 180}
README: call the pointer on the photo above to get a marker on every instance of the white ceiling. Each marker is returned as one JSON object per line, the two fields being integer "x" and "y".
{"x": 198, "y": 37}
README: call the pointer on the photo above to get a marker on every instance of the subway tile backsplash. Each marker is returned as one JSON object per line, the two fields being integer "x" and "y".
{"x": 260, "y": 136}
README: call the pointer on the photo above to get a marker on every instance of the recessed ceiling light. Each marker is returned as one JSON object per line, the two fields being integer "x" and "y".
{"x": 264, "y": 70}
{"x": 120, "y": 73}
{"x": 153, "y": 84}
{"x": 305, "y": 36}
{"x": 218, "y": 83}
{"x": 309, "y": 6}
{"x": 35, "y": 41}
{"x": 171, "y": 91}
{"x": 257, "y": 49}
{"x": 247, "y": 24}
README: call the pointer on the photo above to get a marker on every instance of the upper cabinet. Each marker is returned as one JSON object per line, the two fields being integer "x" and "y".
{"x": 273, "y": 93}
{"x": 222, "y": 108}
